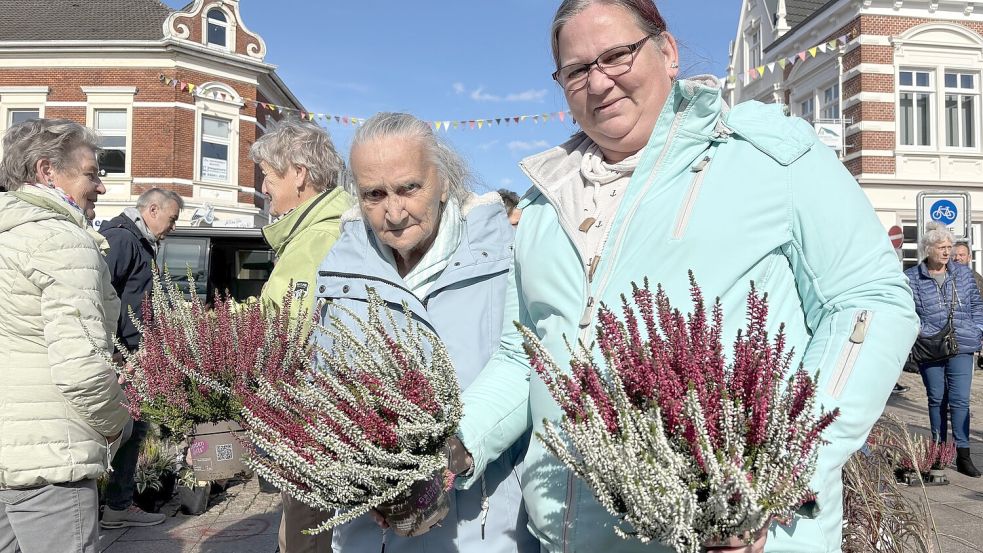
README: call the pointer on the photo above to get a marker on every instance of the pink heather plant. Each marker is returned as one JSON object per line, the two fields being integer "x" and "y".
{"x": 366, "y": 426}
{"x": 928, "y": 453}
{"x": 682, "y": 446}
{"x": 196, "y": 363}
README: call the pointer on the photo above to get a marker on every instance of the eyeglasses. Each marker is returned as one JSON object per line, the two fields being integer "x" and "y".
{"x": 613, "y": 62}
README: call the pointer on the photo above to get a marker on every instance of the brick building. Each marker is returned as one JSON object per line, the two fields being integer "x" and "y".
{"x": 906, "y": 89}
{"x": 100, "y": 62}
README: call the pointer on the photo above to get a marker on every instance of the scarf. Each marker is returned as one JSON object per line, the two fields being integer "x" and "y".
{"x": 597, "y": 171}
{"x": 134, "y": 215}
{"x": 426, "y": 272}
{"x": 59, "y": 194}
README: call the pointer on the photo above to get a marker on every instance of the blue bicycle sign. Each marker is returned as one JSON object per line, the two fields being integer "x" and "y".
{"x": 943, "y": 211}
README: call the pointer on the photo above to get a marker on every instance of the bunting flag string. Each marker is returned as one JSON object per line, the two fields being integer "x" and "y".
{"x": 445, "y": 125}
{"x": 758, "y": 72}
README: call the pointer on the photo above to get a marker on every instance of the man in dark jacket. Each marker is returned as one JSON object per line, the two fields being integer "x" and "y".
{"x": 133, "y": 237}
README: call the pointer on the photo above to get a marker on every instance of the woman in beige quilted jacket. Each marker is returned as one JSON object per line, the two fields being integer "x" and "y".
{"x": 61, "y": 407}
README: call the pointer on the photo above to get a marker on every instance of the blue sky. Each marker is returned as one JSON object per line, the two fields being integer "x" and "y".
{"x": 451, "y": 60}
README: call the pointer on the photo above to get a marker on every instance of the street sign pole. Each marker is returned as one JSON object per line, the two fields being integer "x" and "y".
{"x": 950, "y": 208}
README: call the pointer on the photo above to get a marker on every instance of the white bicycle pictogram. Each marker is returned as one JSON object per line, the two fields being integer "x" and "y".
{"x": 943, "y": 212}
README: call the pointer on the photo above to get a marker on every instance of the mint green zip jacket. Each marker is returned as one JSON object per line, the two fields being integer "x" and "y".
{"x": 737, "y": 196}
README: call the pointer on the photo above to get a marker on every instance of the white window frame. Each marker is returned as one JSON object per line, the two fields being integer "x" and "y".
{"x": 229, "y": 24}
{"x": 114, "y": 98}
{"x": 124, "y": 132}
{"x": 914, "y": 89}
{"x": 211, "y": 139}
{"x": 12, "y": 111}
{"x": 829, "y": 108}
{"x": 752, "y": 49}
{"x": 960, "y": 93}
{"x": 228, "y": 110}
{"x": 20, "y": 98}
{"x": 807, "y": 108}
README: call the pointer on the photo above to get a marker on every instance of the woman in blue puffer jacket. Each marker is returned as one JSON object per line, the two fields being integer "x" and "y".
{"x": 422, "y": 240}
{"x": 939, "y": 284}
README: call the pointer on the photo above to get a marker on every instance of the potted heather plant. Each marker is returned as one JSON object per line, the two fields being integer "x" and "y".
{"x": 368, "y": 429}
{"x": 926, "y": 463}
{"x": 196, "y": 362}
{"x": 716, "y": 450}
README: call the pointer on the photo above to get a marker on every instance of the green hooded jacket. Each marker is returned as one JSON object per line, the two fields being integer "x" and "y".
{"x": 300, "y": 240}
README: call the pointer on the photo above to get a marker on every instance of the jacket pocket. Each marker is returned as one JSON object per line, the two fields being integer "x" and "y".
{"x": 849, "y": 354}
{"x": 689, "y": 199}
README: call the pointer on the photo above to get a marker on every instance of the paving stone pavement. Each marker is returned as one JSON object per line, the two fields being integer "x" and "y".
{"x": 245, "y": 520}
{"x": 958, "y": 507}
{"x": 240, "y": 520}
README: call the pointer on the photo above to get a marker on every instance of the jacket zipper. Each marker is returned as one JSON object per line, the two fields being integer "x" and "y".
{"x": 584, "y": 330}
{"x": 587, "y": 315}
{"x": 850, "y": 353}
{"x": 384, "y": 281}
{"x": 689, "y": 201}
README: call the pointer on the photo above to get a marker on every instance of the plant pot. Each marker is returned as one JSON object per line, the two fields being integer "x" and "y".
{"x": 194, "y": 501}
{"x": 422, "y": 507}
{"x": 148, "y": 500}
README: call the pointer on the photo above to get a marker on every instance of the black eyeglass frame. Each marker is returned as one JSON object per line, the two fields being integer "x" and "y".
{"x": 632, "y": 50}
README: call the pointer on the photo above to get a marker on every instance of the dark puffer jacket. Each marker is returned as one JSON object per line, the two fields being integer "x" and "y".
{"x": 130, "y": 261}
{"x": 932, "y": 303}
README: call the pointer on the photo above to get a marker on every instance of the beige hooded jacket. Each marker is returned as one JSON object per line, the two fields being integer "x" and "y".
{"x": 58, "y": 398}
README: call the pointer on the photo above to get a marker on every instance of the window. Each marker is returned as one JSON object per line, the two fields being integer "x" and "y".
{"x": 753, "y": 55}
{"x": 15, "y": 116}
{"x": 831, "y": 103}
{"x": 215, "y": 142}
{"x": 961, "y": 108}
{"x": 915, "y": 108}
{"x": 807, "y": 108}
{"x": 218, "y": 27}
{"x": 180, "y": 256}
{"x": 111, "y": 127}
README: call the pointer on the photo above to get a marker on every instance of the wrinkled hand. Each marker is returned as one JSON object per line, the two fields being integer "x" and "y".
{"x": 741, "y": 544}
{"x": 459, "y": 461}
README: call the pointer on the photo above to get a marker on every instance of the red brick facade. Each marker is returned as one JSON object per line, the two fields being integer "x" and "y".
{"x": 163, "y": 135}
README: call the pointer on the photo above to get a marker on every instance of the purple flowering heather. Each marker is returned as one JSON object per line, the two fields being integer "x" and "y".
{"x": 682, "y": 446}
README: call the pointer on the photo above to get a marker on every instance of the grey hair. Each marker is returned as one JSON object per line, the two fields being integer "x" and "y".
{"x": 297, "y": 143}
{"x": 27, "y": 143}
{"x": 160, "y": 197}
{"x": 644, "y": 12}
{"x": 935, "y": 234}
{"x": 451, "y": 167}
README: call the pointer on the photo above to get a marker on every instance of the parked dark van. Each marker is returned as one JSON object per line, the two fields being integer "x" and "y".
{"x": 233, "y": 260}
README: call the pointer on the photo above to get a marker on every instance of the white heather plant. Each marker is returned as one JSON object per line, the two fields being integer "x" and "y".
{"x": 684, "y": 448}
{"x": 368, "y": 424}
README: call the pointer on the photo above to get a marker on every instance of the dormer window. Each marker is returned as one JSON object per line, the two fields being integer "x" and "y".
{"x": 218, "y": 28}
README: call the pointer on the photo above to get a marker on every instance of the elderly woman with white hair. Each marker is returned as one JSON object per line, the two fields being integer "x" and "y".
{"x": 946, "y": 294}
{"x": 421, "y": 238}
{"x": 301, "y": 171}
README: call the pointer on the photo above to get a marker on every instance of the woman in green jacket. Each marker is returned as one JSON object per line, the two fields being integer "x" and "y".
{"x": 664, "y": 178}
{"x": 301, "y": 171}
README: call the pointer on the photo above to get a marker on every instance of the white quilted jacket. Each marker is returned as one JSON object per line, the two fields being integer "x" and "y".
{"x": 58, "y": 398}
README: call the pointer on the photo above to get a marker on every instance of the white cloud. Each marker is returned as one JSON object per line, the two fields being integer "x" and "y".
{"x": 527, "y": 96}
{"x": 523, "y": 146}
{"x": 479, "y": 95}
{"x": 458, "y": 88}
{"x": 506, "y": 182}
{"x": 487, "y": 145}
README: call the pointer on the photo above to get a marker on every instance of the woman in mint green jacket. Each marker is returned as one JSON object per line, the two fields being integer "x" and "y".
{"x": 664, "y": 178}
